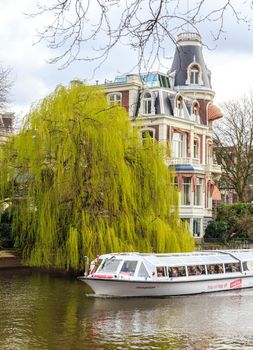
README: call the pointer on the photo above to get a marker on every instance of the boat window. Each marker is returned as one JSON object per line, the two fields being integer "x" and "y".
{"x": 196, "y": 270}
{"x": 110, "y": 266}
{"x": 129, "y": 267}
{"x": 247, "y": 266}
{"x": 234, "y": 267}
{"x": 178, "y": 271}
{"x": 95, "y": 265}
{"x": 143, "y": 271}
{"x": 160, "y": 270}
{"x": 215, "y": 268}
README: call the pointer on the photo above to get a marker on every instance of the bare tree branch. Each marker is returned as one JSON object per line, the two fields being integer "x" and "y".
{"x": 144, "y": 25}
{"x": 234, "y": 146}
{"x": 5, "y": 86}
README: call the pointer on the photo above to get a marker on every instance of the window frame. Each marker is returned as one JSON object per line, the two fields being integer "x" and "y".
{"x": 147, "y": 103}
{"x": 114, "y": 101}
{"x": 185, "y": 195}
{"x": 179, "y": 147}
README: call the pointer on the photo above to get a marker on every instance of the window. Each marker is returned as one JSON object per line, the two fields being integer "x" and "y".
{"x": 195, "y": 109}
{"x": 143, "y": 271}
{"x": 248, "y": 266}
{"x": 198, "y": 191}
{"x": 196, "y": 270}
{"x": 196, "y": 149}
{"x": 195, "y": 112}
{"x": 234, "y": 267}
{"x": 147, "y": 136}
{"x": 160, "y": 271}
{"x": 110, "y": 266}
{"x": 196, "y": 227}
{"x": 186, "y": 191}
{"x": 208, "y": 197}
{"x": 215, "y": 268}
{"x": 209, "y": 153}
{"x": 179, "y": 105}
{"x": 128, "y": 267}
{"x": 147, "y": 103}
{"x": 194, "y": 74}
{"x": 176, "y": 271}
{"x": 179, "y": 145}
{"x": 114, "y": 99}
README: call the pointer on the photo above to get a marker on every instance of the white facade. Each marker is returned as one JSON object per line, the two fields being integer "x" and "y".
{"x": 177, "y": 109}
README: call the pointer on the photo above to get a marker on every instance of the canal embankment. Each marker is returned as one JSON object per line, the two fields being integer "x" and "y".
{"x": 9, "y": 259}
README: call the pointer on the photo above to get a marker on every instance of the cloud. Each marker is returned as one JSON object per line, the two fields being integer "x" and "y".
{"x": 230, "y": 62}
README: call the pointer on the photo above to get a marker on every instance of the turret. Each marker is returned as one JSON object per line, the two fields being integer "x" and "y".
{"x": 189, "y": 71}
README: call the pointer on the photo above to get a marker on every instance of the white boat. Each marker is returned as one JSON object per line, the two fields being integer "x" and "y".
{"x": 154, "y": 275}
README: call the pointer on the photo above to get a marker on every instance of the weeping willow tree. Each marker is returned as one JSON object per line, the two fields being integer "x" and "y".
{"x": 82, "y": 183}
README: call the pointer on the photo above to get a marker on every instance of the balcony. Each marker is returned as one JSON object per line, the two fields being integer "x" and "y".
{"x": 177, "y": 161}
{"x": 213, "y": 167}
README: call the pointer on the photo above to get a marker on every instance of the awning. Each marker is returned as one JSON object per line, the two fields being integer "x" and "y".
{"x": 214, "y": 112}
{"x": 216, "y": 196}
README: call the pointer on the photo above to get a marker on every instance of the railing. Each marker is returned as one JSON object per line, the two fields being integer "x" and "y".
{"x": 188, "y": 36}
{"x": 175, "y": 161}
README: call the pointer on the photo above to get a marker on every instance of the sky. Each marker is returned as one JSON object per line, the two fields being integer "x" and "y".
{"x": 230, "y": 59}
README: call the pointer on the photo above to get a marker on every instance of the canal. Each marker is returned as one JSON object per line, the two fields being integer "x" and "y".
{"x": 39, "y": 311}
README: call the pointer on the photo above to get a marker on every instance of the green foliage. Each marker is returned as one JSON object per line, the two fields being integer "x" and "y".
{"x": 83, "y": 184}
{"x": 5, "y": 230}
{"x": 217, "y": 231}
{"x": 233, "y": 221}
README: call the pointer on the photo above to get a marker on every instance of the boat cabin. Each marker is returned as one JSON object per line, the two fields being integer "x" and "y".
{"x": 172, "y": 266}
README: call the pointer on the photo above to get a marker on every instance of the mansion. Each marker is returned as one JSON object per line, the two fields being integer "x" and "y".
{"x": 177, "y": 108}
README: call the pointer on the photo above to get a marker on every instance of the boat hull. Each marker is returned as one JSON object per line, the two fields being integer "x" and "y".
{"x": 133, "y": 288}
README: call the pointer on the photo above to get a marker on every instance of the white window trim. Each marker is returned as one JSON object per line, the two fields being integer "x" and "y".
{"x": 183, "y": 145}
{"x": 196, "y": 138}
{"x": 143, "y": 99}
{"x": 189, "y": 69}
{"x": 179, "y": 112}
{"x": 112, "y": 94}
{"x": 195, "y": 117}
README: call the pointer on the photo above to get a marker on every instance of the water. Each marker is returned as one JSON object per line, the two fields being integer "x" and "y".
{"x": 39, "y": 311}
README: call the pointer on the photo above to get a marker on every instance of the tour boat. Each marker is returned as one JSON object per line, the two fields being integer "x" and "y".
{"x": 156, "y": 275}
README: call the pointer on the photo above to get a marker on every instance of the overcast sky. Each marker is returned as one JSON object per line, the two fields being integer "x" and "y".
{"x": 231, "y": 62}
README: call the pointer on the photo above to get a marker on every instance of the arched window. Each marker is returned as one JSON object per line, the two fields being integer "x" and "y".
{"x": 194, "y": 74}
{"x": 179, "y": 105}
{"x": 195, "y": 109}
{"x": 147, "y": 103}
{"x": 114, "y": 99}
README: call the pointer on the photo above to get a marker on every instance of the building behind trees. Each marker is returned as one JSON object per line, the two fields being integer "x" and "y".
{"x": 177, "y": 108}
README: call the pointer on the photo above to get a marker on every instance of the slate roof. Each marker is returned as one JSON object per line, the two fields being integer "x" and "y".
{"x": 184, "y": 56}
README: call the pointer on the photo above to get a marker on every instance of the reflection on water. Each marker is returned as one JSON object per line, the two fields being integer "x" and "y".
{"x": 38, "y": 311}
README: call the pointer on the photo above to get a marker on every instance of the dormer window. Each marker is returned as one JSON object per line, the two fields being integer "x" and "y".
{"x": 147, "y": 103}
{"x": 115, "y": 99}
{"x": 179, "y": 105}
{"x": 194, "y": 75}
{"x": 195, "y": 109}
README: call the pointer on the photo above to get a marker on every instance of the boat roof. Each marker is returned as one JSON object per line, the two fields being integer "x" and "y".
{"x": 194, "y": 258}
